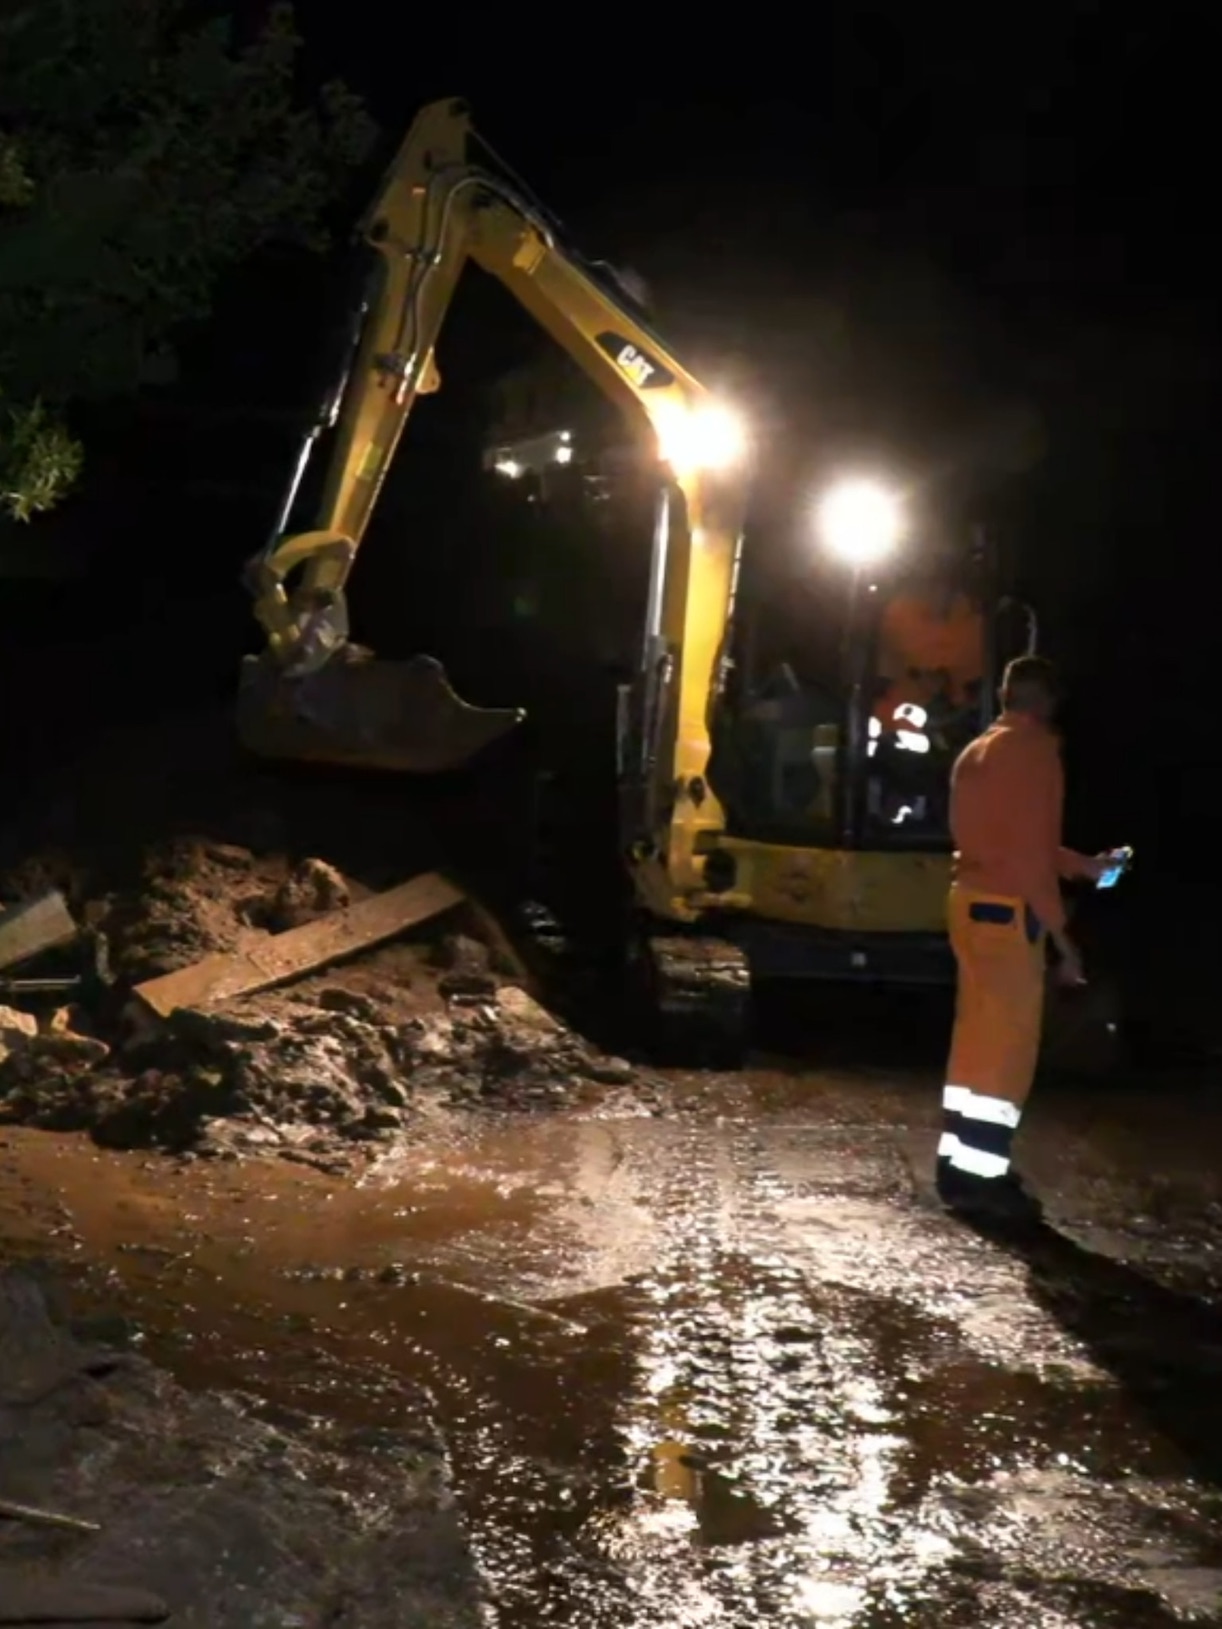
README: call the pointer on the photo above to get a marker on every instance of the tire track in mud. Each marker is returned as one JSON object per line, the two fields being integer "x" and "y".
{"x": 817, "y": 1404}
{"x": 835, "y": 1408}
{"x": 1022, "y": 1485}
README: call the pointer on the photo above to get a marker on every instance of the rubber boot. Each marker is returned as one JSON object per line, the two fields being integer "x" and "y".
{"x": 1002, "y": 1200}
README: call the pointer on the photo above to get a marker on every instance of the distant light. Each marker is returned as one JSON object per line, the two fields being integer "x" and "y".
{"x": 564, "y": 455}
{"x": 509, "y": 467}
{"x": 861, "y": 521}
{"x": 566, "y": 435}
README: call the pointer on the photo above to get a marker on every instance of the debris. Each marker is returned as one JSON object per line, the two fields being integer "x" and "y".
{"x": 209, "y": 1058}
{"x": 58, "y": 1043}
{"x": 16, "y": 1028}
{"x": 69, "y": 1049}
{"x": 206, "y": 1512}
{"x": 610, "y": 1071}
{"x": 44, "y": 1518}
{"x": 314, "y": 1076}
{"x": 312, "y": 889}
{"x": 279, "y": 957}
{"x": 64, "y": 1021}
{"x": 35, "y": 925}
{"x": 531, "y": 1311}
{"x": 189, "y": 898}
{"x": 524, "y": 1009}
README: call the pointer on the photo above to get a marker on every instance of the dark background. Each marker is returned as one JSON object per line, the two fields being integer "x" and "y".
{"x": 977, "y": 252}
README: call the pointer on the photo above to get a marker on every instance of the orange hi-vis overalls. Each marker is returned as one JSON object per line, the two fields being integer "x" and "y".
{"x": 1007, "y": 792}
{"x": 918, "y": 640}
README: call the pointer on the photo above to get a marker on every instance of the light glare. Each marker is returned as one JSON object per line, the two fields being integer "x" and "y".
{"x": 708, "y": 437}
{"x": 860, "y": 521}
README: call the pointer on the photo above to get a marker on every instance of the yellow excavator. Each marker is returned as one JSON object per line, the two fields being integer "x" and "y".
{"x": 767, "y": 828}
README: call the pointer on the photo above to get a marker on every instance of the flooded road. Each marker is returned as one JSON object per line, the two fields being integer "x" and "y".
{"x": 728, "y": 1366}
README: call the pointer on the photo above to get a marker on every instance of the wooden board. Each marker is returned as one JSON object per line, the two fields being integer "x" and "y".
{"x": 33, "y": 926}
{"x": 288, "y": 955}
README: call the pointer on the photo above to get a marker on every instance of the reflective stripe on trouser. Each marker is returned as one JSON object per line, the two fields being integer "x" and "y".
{"x": 999, "y": 949}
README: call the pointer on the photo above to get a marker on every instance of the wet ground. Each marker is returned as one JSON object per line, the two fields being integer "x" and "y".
{"x": 728, "y": 1365}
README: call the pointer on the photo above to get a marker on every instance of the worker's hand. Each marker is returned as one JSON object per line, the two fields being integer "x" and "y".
{"x": 1069, "y": 972}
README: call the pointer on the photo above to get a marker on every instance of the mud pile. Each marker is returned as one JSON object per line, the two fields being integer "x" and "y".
{"x": 124, "y": 1499}
{"x": 334, "y": 1064}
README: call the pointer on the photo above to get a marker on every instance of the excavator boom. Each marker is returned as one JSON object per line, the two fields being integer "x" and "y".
{"x": 312, "y": 693}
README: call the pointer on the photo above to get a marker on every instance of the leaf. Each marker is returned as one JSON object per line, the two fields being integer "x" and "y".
{"x": 39, "y": 461}
{"x": 147, "y": 147}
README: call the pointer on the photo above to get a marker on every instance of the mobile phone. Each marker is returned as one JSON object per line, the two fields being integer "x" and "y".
{"x": 1121, "y": 859}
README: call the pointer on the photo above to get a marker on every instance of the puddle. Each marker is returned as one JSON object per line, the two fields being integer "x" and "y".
{"x": 684, "y": 1381}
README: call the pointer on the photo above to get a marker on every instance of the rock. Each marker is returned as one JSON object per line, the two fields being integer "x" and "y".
{"x": 17, "y": 1028}
{"x": 312, "y": 889}
{"x": 514, "y": 1003}
{"x": 394, "y": 1273}
{"x": 382, "y": 1119}
{"x": 70, "y": 1051}
{"x": 467, "y": 986}
{"x": 337, "y": 999}
{"x": 394, "y": 1093}
{"x": 230, "y": 856}
{"x": 67, "y": 1021}
{"x": 202, "y": 1026}
{"x": 608, "y": 1071}
{"x": 460, "y": 953}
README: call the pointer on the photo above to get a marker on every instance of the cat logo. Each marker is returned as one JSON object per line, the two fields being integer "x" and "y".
{"x": 637, "y": 367}
{"x": 643, "y": 371}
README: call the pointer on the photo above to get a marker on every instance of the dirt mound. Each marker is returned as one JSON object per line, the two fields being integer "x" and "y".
{"x": 335, "y": 1063}
{"x": 188, "y": 1508}
{"x": 193, "y": 897}
{"x": 318, "y": 1074}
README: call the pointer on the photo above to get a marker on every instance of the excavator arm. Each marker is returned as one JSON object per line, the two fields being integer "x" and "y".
{"x": 312, "y": 694}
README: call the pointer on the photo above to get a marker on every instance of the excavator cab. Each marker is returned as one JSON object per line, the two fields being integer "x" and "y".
{"x": 857, "y": 753}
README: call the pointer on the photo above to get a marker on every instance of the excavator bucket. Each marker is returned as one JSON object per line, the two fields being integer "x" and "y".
{"x": 365, "y": 713}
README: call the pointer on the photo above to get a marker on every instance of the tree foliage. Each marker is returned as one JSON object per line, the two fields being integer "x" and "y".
{"x": 146, "y": 146}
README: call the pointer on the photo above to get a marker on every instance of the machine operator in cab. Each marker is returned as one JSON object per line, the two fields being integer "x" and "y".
{"x": 1007, "y": 790}
{"x": 931, "y": 646}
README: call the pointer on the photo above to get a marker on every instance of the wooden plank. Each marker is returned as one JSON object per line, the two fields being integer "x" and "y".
{"x": 282, "y": 956}
{"x": 33, "y": 926}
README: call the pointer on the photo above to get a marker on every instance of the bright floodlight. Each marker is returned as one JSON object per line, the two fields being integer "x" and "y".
{"x": 861, "y": 521}
{"x": 710, "y": 437}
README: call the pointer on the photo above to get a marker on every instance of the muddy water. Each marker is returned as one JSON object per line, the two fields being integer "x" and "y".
{"x": 721, "y": 1369}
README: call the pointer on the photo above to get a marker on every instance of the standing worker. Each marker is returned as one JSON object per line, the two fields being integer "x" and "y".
{"x": 1007, "y": 791}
